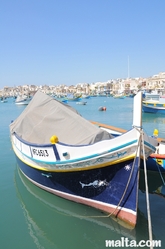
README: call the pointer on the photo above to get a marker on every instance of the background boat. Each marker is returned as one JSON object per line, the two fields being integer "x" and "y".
{"x": 153, "y": 95}
{"x": 71, "y": 97}
{"x": 154, "y": 106}
{"x": 119, "y": 96}
{"x": 85, "y": 96}
{"x": 81, "y": 102}
{"x": 22, "y": 100}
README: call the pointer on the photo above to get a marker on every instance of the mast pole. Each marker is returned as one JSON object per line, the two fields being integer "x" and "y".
{"x": 128, "y": 66}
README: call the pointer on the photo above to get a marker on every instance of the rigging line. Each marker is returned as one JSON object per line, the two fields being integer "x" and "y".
{"x": 128, "y": 180}
{"x": 147, "y": 195}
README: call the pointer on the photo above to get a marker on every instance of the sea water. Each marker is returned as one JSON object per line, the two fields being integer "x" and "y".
{"x": 32, "y": 218}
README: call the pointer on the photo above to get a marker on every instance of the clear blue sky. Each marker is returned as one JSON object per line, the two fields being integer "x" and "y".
{"x": 56, "y": 42}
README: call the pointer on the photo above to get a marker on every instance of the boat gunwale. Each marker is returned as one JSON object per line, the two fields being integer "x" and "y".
{"x": 75, "y": 169}
{"x": 96, "y": 155}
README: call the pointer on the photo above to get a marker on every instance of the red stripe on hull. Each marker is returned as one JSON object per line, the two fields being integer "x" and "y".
{"x": 157, "y": 156}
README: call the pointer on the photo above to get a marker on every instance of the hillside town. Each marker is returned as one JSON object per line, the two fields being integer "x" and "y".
{"x": 126, "y": 86}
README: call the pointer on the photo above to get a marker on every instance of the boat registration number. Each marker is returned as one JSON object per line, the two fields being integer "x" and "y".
{"x": 39, "y": 152}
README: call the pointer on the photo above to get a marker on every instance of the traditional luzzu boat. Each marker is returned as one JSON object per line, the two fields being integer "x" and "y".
{"x": 64, "y": 154}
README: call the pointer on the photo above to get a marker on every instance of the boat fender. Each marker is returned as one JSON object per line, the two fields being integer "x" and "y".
{"x": 155, "y": 133}
{"x": 102, "y": 108}
{"x": 54, "y": 139}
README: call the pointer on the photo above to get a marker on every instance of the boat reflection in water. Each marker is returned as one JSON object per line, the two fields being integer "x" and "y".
{"x": 50, "y": 219}
{"x": 156, "y": 187}
{"x": 154, "y": 121}
{"x": 156, "y": 182}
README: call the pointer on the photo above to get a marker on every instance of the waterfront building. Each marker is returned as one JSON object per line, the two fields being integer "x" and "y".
{"x": 128, "y": 85}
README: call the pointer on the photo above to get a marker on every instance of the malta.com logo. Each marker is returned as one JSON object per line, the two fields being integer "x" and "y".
{"x": 125, "y": 242}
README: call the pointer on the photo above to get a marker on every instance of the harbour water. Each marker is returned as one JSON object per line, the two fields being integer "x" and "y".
{"x": 34, "y": 219}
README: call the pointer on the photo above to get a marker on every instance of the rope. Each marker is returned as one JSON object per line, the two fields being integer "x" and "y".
{"x": 128, "y": 180}
{"x": 147, "y": 196}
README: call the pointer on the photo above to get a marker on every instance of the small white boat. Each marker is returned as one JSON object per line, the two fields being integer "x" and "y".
{"x": 81, "y": 102}
{"x": 119, "y": 96}
{"x": 84, "y": 96}
{"x": 152, "y": 96}
{"x": 22, "y": 100}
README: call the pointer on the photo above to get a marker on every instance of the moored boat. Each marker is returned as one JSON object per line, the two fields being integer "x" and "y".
{"x": 153, "y": 95}
{"x": 64, "y": 100}
{"x": 85, "y": 96}
{"x": 154, "y": 106}
{"x": 81, "y": 102}
{"x": 62, "y": 153}
{"x": 22, "y": 100}
{"x": 71, "y": 97}
{"x": 119, "y": 96}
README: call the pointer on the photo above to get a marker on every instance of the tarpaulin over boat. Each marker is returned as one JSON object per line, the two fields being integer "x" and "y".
{"x": 45, "y": 117}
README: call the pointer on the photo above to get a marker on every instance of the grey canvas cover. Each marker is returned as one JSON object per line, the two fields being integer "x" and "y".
{"x": 44, "y": 117}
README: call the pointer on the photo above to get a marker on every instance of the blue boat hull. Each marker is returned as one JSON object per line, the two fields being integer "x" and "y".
{"x": 112, "y": 189}
{"x": 153, "y": 110}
